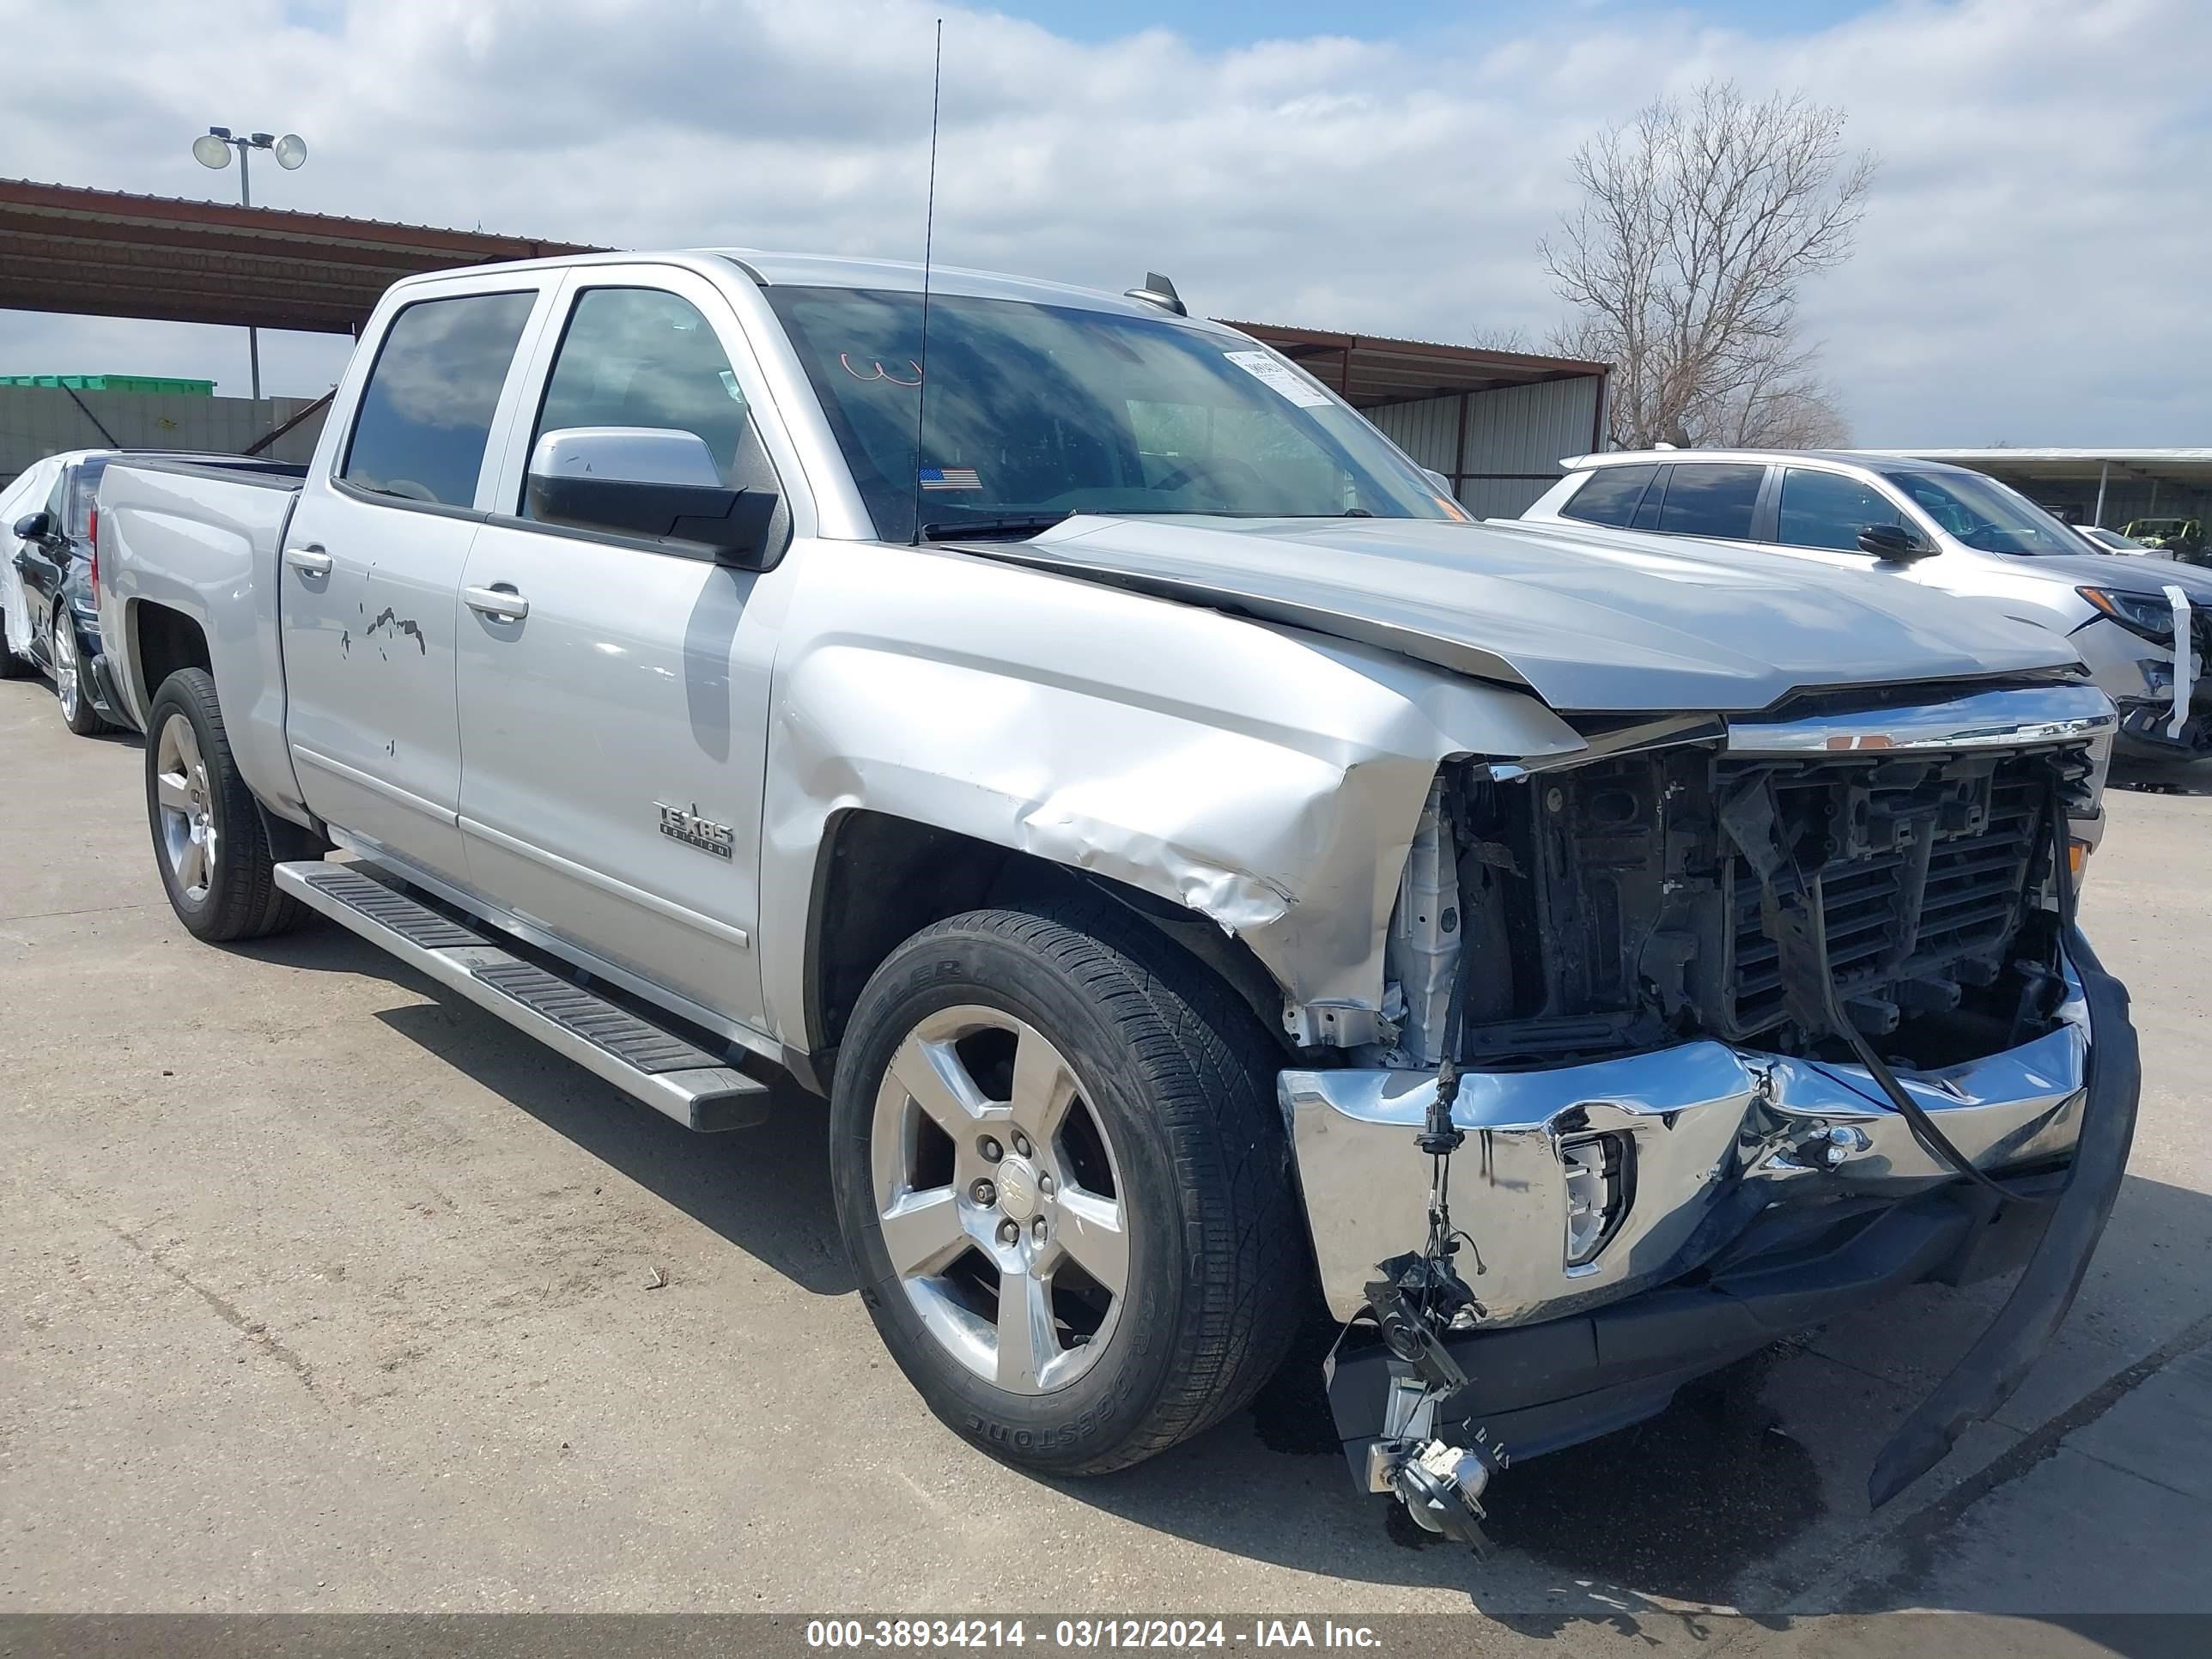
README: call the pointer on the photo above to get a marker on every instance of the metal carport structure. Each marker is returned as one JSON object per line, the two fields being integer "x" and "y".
{"x": 2111, "y": 487}
{"x": 109, "y": 253}
{"x": 1494, "y": 423}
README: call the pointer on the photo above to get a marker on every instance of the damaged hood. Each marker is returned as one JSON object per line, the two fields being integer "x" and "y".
{"x": 2123, "y": 573}
{"x": 1588, "y": 625}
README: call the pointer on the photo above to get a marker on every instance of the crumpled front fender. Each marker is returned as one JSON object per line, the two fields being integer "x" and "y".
{"x": 1267, "y": 779}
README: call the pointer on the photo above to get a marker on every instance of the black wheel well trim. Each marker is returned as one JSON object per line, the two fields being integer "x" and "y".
{"x": 863, "y": 854}
{"x": 181, "y": 634}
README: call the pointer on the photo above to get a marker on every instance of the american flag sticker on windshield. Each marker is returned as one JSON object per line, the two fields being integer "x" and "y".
{"x": 950, "y": 478}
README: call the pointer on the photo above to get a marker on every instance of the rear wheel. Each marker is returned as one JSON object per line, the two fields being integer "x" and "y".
{"x": 210, "y": 839}
{"x": 1065, "y": 1185}
{"x": 72, "y": 689}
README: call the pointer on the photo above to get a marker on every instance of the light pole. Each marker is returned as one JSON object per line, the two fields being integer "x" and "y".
{"x": 212, "y": 148}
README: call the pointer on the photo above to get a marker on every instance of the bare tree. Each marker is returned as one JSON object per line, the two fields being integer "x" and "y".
{"x": 1782, "y": 403}
{"x": 1512, "y": 337}
{"x": 1699, "y": 221}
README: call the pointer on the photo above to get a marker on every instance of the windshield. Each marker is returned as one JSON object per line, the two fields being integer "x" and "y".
{"x": 1984, "y": 514}
{"x": 2112, "y": 539}
{"x": 1035, "y": 412}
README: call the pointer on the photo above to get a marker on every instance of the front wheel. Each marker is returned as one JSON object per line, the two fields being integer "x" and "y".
{"x": 1064, "y": 1186}
{"x": 72, "y": 687}
{"x": 210, "y": 839}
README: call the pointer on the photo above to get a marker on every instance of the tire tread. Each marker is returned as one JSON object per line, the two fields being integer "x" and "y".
{"x": 246, "y": 902}
{"x": 1206, "y": 1071}
{"x": 88, "y": 722}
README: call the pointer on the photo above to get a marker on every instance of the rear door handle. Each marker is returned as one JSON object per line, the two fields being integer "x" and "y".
{"x": 498, "y": 601}
{"x": 309, "y": 561}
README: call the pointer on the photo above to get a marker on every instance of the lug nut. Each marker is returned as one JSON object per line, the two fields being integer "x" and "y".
{"x": 1037, "y": 1230}
{"x": 1008, "y": 1232}
{"x": 991, "y": 1151}
{"x": 1022, "y": 1143}
{"x": 985, "y": 1193}
{"x": 1044, "y": 1185}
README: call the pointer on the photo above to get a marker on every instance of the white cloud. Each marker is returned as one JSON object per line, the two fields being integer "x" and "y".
{"x": 2028, "y": 269}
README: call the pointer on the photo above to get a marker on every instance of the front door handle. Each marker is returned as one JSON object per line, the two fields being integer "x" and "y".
{"x": 498, "y": 601}
{"x": 309, "y": 561}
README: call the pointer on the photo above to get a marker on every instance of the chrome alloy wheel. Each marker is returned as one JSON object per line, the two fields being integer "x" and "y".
{"x": 187, "y": 808}
{"x": 66, "y": 677}
{"x": 999, "y": 1199}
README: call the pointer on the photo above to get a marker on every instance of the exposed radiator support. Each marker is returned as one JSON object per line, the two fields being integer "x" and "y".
{"x": 1425, "y": 933}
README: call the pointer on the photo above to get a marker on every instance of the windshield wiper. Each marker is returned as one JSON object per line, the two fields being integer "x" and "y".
{"x": 1011, "y": 528}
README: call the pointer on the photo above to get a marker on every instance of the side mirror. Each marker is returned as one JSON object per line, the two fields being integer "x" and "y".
{"x": 649, "y": 481}
{"x": 36, "y": 527}
{"x": 1893, "y": 542}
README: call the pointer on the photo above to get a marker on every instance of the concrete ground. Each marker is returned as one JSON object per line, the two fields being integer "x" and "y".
{"x": 320, "y": 1292}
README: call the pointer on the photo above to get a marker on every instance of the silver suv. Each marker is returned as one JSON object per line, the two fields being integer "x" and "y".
{"x": 1945, "y": 527}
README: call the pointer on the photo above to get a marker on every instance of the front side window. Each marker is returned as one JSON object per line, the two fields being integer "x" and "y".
{"x": 641, "y": 358}
{"x": 1610, "y": 495}
{"x": 426, "y": 412}
{"x": 1715, "y": 500}
{"x": 1827, "y": 509}
{"x": 1984, "y": 514}
{"x": 1035, "y": 412}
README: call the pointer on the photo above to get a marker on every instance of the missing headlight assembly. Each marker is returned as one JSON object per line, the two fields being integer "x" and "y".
{"x": 1610, "y": 907}
{"x": 1737, "y": 1031}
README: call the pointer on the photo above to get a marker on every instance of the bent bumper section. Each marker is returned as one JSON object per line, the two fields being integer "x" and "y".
{"x": 99, "y": 684}
{"x": 1638, "y": 1222}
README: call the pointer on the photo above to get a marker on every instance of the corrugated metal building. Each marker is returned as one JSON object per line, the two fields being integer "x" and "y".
{"x": 1496, "y": 423}
{"x": 2110, "y": 487}
{"x": 38, "y": 420}
{"x": 1500, "y": 449}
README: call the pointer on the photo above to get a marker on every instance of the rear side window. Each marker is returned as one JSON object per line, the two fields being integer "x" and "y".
{"x": 426, "y": 412}
{"x": 1609, "y": 496}
{"x": 1826, "y": 509}
{"x": 1712, "y": 501}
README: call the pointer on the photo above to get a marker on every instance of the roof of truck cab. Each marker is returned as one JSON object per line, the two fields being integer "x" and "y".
{"x": 1872, "y": 460}
{"x": 774, "y": 269}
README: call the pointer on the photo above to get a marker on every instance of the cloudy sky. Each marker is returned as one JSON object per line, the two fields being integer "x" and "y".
{"x": 2031, "y": 269}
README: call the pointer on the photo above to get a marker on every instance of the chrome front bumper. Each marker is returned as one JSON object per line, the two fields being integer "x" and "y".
{"x": 1712, "y": 1135}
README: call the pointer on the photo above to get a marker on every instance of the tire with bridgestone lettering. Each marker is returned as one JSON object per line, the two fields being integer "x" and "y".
{"x": 1064, "y": 1184}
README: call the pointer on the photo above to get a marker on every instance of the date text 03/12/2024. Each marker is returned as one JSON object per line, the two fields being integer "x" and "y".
{"x": 1166, "y": 1635}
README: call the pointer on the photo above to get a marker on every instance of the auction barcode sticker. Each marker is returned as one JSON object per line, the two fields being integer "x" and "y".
{"x": 1260, "y": 367}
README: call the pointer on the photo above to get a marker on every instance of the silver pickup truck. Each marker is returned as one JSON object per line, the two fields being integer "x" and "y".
{"x": 1217, "y": 886}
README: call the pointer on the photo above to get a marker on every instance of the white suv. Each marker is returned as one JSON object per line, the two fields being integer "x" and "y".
{"x": 1945, "y": 527}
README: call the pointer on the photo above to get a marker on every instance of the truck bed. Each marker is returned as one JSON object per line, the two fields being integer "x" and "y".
{"x": 201, "y": 540}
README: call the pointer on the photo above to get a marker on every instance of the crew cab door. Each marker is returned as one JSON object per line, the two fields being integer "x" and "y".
{"x": 369, "y": 572}
{"x": 614, "y": 690}
{"x": 1818, "y": 515}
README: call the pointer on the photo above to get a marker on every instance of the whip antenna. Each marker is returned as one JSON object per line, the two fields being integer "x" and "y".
{"x": 928, "y": 241}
